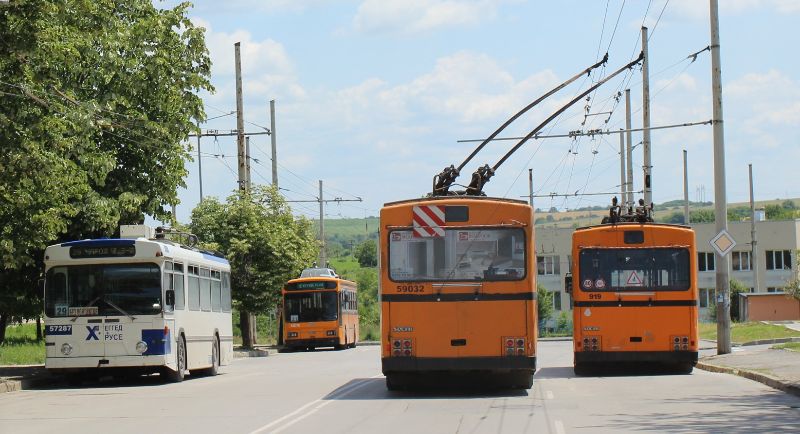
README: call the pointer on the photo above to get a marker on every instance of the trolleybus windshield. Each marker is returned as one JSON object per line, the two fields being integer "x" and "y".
{"x": 312, "y": 306}
{"x": 459, "y": 254}
{"x": 103, "y": 289}
{"x": 651, "y": 269}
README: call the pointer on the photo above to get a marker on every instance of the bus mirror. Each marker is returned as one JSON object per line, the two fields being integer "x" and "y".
{"x": 40, "y": 287}
{"x": 568, "y": 284}
{"x": 170, "y": 298}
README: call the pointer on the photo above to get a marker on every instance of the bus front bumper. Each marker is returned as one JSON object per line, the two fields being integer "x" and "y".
{"x": 635, "y": 356}
{"x": 320, "y": 342}
{"x": 425, "y": 364}
{"x": 78, "y": 363}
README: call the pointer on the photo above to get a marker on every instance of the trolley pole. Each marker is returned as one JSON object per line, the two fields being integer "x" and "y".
{"x": 720, "y": 196}
{"x": 241, "y": 151}
{"x": 648, "y": 166}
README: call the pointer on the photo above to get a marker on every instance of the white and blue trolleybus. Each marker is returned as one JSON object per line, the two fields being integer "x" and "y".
{"x": 136, "y": 305}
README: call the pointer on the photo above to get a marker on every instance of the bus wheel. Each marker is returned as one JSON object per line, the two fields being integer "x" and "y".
{"x": 580, "y": 370}
{"x": 214, "y": 369}
{"x": 395, "y": 383}
{"x": 522, "y": 380}
{"x": 684, "y": 368}
{"x": 178, "y": 375}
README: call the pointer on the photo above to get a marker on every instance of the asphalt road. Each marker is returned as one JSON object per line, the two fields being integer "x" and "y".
{"x": 344, "y": 392}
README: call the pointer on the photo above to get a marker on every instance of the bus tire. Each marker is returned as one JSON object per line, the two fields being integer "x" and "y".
{"x": 684, "y": 368}
{"x": 214, "y": 369}
{"x": 353, "y": 345}
{"x": 522, "y": 380}
{"x": 178, "y": 375}
{"x": 394, "y": 383}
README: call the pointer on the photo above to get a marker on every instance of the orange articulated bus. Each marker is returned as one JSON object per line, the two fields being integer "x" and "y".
{"x": 634, "y": 293}
{"x": 458, "y": 289}
{"x": 319, "y": 310}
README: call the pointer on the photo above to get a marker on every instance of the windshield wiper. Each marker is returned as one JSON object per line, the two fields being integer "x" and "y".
{"x": 91, "y": 303}
{"x": 110, "y": 303}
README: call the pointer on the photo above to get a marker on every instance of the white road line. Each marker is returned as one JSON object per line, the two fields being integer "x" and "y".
{"x": 559, "y": 427}
{"x": 549, "y": 394}
{"x": 322, "y": 402}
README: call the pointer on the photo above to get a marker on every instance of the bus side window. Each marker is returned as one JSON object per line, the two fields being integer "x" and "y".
{"x": 180, "y": 297}
{"x": 226, "y": 292}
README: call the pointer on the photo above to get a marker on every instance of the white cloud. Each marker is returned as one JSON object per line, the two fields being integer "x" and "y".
{"x": 413, "y": 16}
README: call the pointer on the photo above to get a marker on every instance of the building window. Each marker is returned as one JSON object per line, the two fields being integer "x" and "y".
{"x": 705, "y": 261}
{"x": 547, "y": 265}
{"x": 707, "y": 296}
{"x": 779, "y": 259}
{"x": 557, "y": 300}
{"x": 740, "y": 261}
{"x": 772, "y": 289}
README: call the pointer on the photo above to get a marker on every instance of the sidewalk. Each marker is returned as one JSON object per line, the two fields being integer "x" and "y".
{"x": 779, "y": 369}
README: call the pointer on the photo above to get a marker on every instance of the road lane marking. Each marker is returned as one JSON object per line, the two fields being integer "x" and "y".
{"x": 549, "y": 394}
{"x": 559, "y": 427}
{"x": 322, "y": 402}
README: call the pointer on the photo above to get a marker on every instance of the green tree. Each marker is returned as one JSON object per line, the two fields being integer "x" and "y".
{"x": 701, "y": 216}
{"x": 544, "y": 304}
{"x": 367, "y": 253}
{"x": 264, "y": 243}
{"x": 95, "y": 100}
{"x": 792, "y": 288}
{"x": 737, "y": 288}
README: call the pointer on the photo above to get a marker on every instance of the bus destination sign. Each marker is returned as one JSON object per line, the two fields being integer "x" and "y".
{"x": 318, "y": 284}
{"x": 79, "y": 252}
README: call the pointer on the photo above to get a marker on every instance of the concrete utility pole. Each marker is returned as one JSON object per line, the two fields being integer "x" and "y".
{"x": 629, "y": 146}
{"x": 720, "y": 196}
{"x": 753, "y": 239}
{"x": 530, "y": 187}
{"x": 648, "y": 166}
{"x": 322, "y": 201}
{"x": 248, "y": 180}
{"x": 622, "y": 182}
{"x": 199, "y": 160}
{"x": 241, "y": 151}
{"x": 685, "y": 190}
{"x": 274, "y": 143}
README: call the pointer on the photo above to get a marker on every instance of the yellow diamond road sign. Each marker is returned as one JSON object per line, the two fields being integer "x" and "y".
{"x": 723, "y": 243}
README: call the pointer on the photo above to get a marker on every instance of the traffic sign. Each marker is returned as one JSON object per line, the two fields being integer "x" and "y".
{"x": 723, "y": 242}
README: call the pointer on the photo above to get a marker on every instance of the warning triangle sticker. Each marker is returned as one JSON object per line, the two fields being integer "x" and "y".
{"x": 634, "y": 279}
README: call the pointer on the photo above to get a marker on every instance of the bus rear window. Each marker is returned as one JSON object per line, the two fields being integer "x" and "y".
{"x": 461, "y": 254}
{"x": 653, "y": 269}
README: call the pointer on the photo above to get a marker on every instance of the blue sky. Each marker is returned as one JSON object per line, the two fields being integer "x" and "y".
{"x": 372, "y": 95}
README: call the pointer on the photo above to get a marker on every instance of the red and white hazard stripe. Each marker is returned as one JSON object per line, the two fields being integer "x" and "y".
{"x": 428, "y": 221}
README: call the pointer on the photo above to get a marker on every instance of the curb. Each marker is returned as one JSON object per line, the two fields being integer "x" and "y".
{"x": 768, "y": 380}
{"x": 257, "y": 352}
{"x": 770, "y": 341}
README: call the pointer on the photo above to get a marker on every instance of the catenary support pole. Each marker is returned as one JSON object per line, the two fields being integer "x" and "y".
{"x": 274, "y": 143}
{"x": 622, "y": 182}
{"x": 647, "y": 166}
{"x": 754, "y": 262}
{"x": 629, "y": 146}
{"x": 242, "y": 159}
{"x": 720, "y": 195}
{"x": 685, "y": 189}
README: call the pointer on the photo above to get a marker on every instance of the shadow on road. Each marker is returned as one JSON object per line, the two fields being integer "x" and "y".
{"x": 433, "y": 387}
{"x": 105, "y": 381}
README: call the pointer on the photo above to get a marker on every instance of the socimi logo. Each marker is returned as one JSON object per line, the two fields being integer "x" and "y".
{"x": 591, "y": 329}
{"x": 402, "y": 329}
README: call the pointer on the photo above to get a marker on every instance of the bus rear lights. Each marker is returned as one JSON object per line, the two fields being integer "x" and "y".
{"x": 592, "y": 343}
{"x": 520, "y": 351}
{"x": 141, "y": 347}
{"x": 396, "y": 343}
{"x": 407, "y": 343}
{"x": 330, "y": 333}
{"x": 402, "y": 347}
{"x": 520, "y": 342}
{"x": 680, "y": 343}
{"x": 66, "y": 349}
{"x": 510, "y": 342}
{"x": 397, "y": 352}
{"x": 514, "y": 346}
{"x": 407, "y": 352}
{"x": 292, "y": 334}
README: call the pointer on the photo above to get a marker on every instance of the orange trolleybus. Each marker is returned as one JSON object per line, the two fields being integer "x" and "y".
{"x": 634, "y": 293}
{"x": 320, "y": 310}
{"x": 457, "y": 279}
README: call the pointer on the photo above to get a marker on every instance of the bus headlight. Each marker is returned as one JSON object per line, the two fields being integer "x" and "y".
{"x": 141, "y": 347}
{"x": 66, "y": 349}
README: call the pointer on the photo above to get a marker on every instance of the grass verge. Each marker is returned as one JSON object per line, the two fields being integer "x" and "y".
{"x": 748, "y": 331}
{"x": 20, "y": 346}
{"x": 791, "y": 346}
